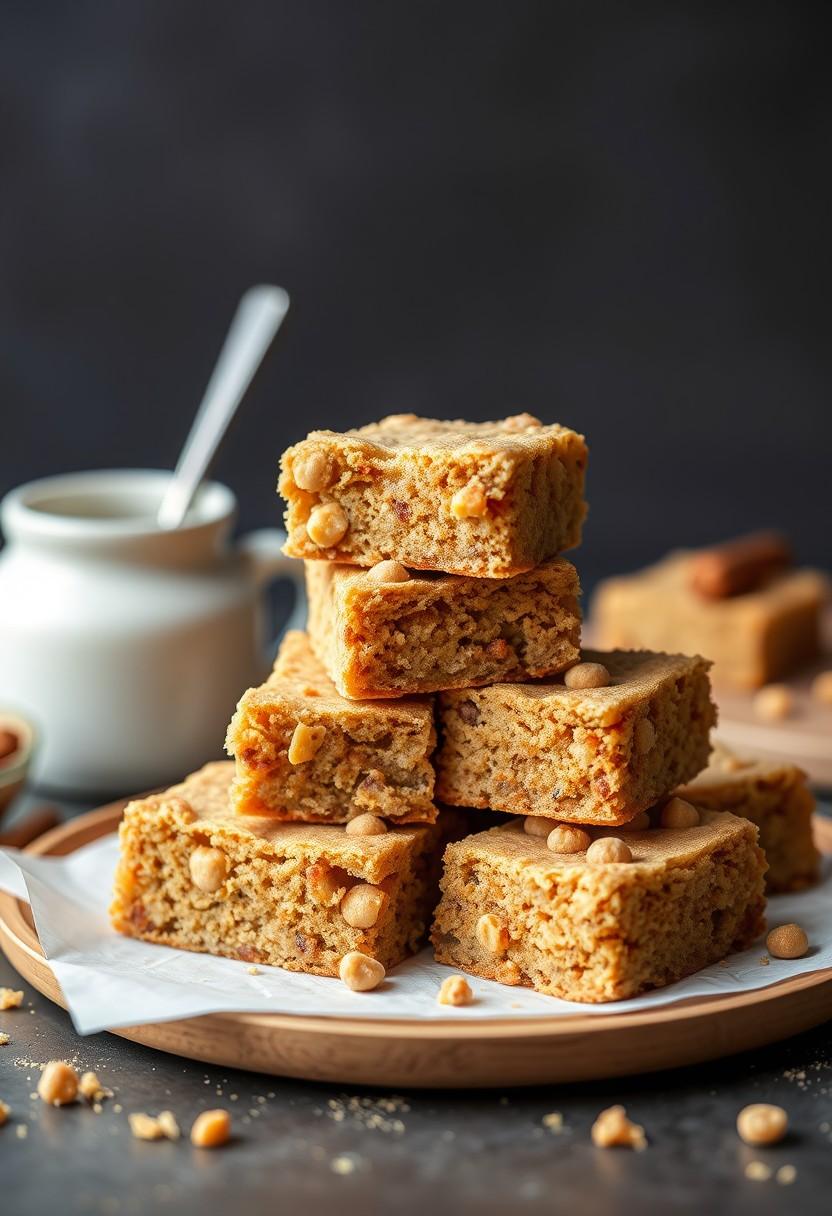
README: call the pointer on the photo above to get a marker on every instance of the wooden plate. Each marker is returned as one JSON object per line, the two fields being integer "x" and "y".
{"x": 394, "y": 1053}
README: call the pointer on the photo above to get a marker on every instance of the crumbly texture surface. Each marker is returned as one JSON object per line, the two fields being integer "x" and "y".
{"x": 752, "y": 639}
{"x": 522, "y": 489}
{"x": 594, "y": 755}
{"x": 777, "y": 799}
{"x": 596, "y": 933}
{"x": 279, "y": 900}
{"x": 370, "y": 756}
{"x": 430, "y": 632}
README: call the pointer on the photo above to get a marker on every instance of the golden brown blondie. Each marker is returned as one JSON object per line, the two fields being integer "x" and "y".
{"x": 588, "y": 755}
{"x": 775, "y": 797}
{"x": 515, "y": 911}
{"x": 486, "y": 499}
{"x": 384, "y": 632}
{"x": 305, "y": 753}
{"x": 194, "y": 875}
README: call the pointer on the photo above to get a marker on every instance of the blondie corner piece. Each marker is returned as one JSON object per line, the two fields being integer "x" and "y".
{"x": 195, "y": 876}
{"x": 594, "y": 755}
{"x": 514, "y": 911}
{"x": 776, "y": 798}
{"x": 486, "y": 499}
{"x": 305, "y": 753}
{"x": 384, "y": 632}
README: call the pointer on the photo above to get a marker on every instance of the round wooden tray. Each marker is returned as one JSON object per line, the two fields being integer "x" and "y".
{"x": 394, "y": 1053}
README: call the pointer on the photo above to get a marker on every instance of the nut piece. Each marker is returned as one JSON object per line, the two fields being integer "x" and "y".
{"x": 11, "y": 998}
{"x": 677, "y": 813}
{"x": 366, "y": 825}
{"x": 773, "y": 703}
{"x": 762, "y": 1123}
{"x": 608, "y": 849}
{"x": 567, "y": 839}
{"x": 211, "y": 1129}
{"x": 388, "y": 572}
{"x": 327, "y": 524}
{"x": 612, "y": 1128}
{"x": 208, "y": 868}
{"x": 305, "y": 743}
{"x": 167, "y": 1122}
{"x": 360, "y": 972}
{"x": 145, "y": 1127}
{"x": 822, "y": 688}
{"x": 311, "y": 471}
{"x": 58, "y": 1083}
{"x": 641, "y": 823}
{"x": 362, "y": 904}
{"x": 587, "y": 675}
{"x": 470, "y": 502}
{"x": 787, "y": 941}
{"x": 492, "y": 934}
{"x": 539, "y": 825}
{"x": 455, "y": 990}
{"x": 521, "y": 422}
{"x": 644, "y": 736}
{"x": 91, "y": 1088}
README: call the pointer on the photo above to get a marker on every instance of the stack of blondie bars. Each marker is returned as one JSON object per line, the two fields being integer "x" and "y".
{"x": 441, "y": 689}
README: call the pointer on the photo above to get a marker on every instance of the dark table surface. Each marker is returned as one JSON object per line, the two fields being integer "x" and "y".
{"x": 311, "y": 1148}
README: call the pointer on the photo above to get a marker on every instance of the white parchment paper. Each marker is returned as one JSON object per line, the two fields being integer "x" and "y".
{"x": 109, "y": 980}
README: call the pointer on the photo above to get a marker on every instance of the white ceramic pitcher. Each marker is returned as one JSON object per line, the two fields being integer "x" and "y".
{"x": 127, "y": 645}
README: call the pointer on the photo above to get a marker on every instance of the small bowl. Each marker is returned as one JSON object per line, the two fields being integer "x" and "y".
{"x": 14, "y": 767}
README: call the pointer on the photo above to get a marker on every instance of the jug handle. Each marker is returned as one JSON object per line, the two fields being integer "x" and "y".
{"x": 263, "y": 549}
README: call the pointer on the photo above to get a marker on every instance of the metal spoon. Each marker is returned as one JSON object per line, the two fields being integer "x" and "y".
{"x": 258, "y": 317}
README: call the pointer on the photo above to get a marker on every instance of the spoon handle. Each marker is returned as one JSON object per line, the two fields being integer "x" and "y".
{"x": 258, "y": 317}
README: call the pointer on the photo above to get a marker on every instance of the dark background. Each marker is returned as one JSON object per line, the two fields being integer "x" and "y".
{"x": 616, "y": 217}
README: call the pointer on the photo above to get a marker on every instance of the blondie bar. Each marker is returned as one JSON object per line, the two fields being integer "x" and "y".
{"x": 383, "y": 632}
{"x": 757, "y": 635}
{"x": 777, "y": 799}
{"x": 514, "y": 911}
{"x": 588, "y": 755}
{"x": 305, "y": 753}
{"x": 194, "y": 875}
{"x": 487, "y": 499}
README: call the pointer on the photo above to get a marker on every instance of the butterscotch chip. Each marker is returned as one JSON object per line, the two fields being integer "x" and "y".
{"x": 762, "y": 1123}
{"x": 455, "y": 990}
{"x": 678, "y": 813}
{"x": 773, "y": 703}
{"x": 471, "y": 502}
{"x": 327, "y": 524}
{"x": 587, "y": 675}
{"x": 388, "y": 572}
{"x": 10, "y": 998}
{"x": 311, "y": 471}
{"x": 787, "y": 941}
{"x": 822, "y": 688}
{"x": 644, "y": 736}
{"x": 366, "y": 825}
{"x": 208, "y": 868}
{"x": 359, "y": 972}
{"x": 539, "y": 825}
{"x": 5, "y": 1111}
{"x": 492, "y": 934}
{"x": 211, "y": 1129}
{"x": 58, "y": 1083}
{"x": 608, "y": 849}
{"x": 305, "y": 744}
{"x": 613, "y": 1129}
{"x": 640, "y": 824}
{"x": 362, "y": 904}
{"x": 567, "y": 839}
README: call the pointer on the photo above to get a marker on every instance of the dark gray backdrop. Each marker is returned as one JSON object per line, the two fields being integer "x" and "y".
{"x": 614, "y": 216}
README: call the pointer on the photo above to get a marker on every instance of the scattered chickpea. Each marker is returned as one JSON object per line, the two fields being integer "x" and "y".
{"x": 362, "y": 904}
{"x": 305, "y": 743}
{"x": 388, "y": 572}
{"x": 58, "y": 1083}
{"x": 492, "y": 934}
{"x": 644, "y": 736}
{"x": 311, "y": 471}
{"x": 677, "y": 813}
{"x": 208, "y": 868}
{"x": 787, "y": 941}
{"x": 762, "y": 1123}
{"x": 10, "y": 998}
{"x": 359, "y": 972}
{"x": 211, "y": 1129}
{"x": 773, "y": 703}
{"x": 612, "y": 1129}
{"x": 327, "y": 524}
{"x": 366, "y": 825}
{"x": 608, "y": 849}
{"x": 471, "y": 501}
{"x": 455, "y": 990}
{"x": 539, "y": 825}
{"x": 822, "y": 688}
{"x": 567, "y": 839}
{"x": 641, "y": 823}
{"x": 587, "y": 675}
